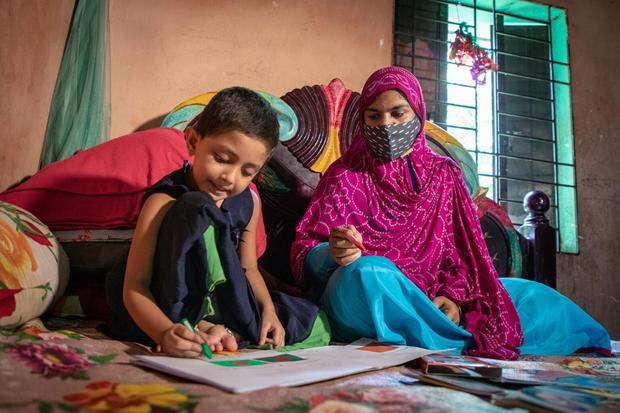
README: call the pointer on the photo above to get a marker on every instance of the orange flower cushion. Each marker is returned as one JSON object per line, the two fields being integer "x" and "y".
{"x": 34, "y": 269}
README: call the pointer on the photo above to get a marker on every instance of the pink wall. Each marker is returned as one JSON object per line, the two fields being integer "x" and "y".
{"x": 32, "y": 38}
{"x": 164, "y": 52}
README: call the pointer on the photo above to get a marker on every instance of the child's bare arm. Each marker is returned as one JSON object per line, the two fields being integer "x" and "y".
{"x": 247, "y": 251}
{"x": 137, "y": 297}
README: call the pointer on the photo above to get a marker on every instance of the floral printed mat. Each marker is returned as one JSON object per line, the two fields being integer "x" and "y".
{"x": 67, "y": 366}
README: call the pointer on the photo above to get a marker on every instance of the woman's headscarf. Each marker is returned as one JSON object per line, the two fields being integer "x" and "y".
{"x": 427, "y": 225}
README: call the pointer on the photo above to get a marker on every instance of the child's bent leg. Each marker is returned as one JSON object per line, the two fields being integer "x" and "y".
{"x": 179, "y": 283}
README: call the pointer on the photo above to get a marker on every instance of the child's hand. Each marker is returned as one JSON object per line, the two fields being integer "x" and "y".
{"x": 178, "y": 341}
{"x": 216, "y": 336}
{"x": 342, "y": 246}
{"x": 449, "y": 308}
{"x": 271, "y": 330}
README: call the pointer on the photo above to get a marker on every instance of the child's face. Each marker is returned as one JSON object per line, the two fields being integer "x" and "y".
{"x": 224, "y": 164}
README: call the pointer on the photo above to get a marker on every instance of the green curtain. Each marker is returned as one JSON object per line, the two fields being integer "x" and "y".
{"x": 80, "y": 110}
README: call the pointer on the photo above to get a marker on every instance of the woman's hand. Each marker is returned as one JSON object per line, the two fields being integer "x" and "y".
{"x": 342, "y": 248}
{"x": 178, "y": 341}
{"x": 271, "y": 330}
{"x": 216, "y": 336}
{"x": 449, "y": 308}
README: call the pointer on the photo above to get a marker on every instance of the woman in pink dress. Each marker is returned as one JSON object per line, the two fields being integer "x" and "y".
{"x": 392, "y": 234}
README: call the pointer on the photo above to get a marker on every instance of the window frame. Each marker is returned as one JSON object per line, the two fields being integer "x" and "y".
{"x": 560, "y": 182}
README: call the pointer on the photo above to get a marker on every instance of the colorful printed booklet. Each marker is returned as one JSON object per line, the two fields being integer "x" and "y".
{"x": 533, "y": 398}
{"x": 587, "y": 372}
{"x": 478, "y": 387}
{"x": 560, "y": 399}
{"x": 457, "y": 365}
{"x": 249, "y": 371}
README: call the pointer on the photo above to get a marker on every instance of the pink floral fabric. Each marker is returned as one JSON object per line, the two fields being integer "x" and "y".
{"x": 50, "y": 359}
{"x": 433, "y": 236}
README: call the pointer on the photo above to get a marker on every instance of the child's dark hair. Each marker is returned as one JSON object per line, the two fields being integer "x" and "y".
{"x": 239, "y": 109}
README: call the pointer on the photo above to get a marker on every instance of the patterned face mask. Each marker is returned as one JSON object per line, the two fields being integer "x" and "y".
{"x": 389, "y": 142}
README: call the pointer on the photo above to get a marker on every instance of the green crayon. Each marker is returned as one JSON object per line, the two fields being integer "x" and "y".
{"x": 205, "y": 348}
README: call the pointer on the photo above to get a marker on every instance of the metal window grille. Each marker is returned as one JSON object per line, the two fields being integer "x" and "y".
{"x": 517, "y": 126}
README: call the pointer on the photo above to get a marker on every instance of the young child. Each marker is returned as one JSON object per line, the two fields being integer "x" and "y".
{"x": 193, "y": 253}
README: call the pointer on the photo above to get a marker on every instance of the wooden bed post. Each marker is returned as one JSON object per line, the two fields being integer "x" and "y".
{"x": 541, "y": 239}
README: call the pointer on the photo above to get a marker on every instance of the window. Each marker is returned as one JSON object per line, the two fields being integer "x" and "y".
{"x": 518, "y": 125}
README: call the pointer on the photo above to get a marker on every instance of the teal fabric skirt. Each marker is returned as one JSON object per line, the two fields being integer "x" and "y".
{"x": 372, "y": 298}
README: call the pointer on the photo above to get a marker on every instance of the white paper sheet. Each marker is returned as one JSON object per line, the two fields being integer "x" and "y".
{"x": 262, "y": 369}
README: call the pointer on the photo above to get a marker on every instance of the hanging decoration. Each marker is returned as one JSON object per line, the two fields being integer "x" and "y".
{"x": 465, "y": 51}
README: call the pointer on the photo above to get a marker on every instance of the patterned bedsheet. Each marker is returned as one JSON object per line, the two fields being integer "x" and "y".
{"x": 68, "y": 365}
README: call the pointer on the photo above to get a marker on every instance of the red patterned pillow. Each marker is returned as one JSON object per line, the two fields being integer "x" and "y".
{"x": 101, "y": 187}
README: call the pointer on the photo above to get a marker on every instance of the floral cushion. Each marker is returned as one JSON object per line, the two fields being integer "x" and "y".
{"x": 34, "y": 270}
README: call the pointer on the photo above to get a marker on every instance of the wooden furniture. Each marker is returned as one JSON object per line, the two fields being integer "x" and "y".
{"x": 539, "y": 240}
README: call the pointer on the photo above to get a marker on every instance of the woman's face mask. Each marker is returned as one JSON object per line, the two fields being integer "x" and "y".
{"x": 389, "y": 142}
